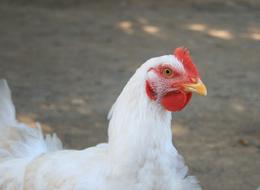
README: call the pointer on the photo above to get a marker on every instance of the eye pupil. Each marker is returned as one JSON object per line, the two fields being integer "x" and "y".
{"x": 167, "y": 72}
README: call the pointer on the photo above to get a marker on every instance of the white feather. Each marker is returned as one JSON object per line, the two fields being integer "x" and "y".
{"x": 19, "y": 144}
{"x": 138, "y": 156}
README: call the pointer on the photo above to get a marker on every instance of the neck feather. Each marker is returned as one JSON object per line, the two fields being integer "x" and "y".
{"x": 136, "y": 122}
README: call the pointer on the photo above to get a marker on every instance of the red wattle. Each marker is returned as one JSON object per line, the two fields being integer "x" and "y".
{"x": 175, "y": 101}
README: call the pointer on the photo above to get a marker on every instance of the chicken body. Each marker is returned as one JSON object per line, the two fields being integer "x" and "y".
{"x": 139, "y": 154}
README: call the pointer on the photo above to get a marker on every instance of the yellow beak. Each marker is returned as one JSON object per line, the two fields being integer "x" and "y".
{"x": 198, "y": 87}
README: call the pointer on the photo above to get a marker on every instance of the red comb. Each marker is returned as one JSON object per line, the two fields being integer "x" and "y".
{"x": 183, "y": 55}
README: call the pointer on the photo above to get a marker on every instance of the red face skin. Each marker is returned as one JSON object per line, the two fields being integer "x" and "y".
{"x": 168, "y": 88}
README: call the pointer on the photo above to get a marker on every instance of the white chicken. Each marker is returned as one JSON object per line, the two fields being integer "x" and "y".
{"x": 139, "y": 154}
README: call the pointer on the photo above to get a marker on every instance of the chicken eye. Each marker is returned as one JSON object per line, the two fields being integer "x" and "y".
{"x": 167, "y": 72}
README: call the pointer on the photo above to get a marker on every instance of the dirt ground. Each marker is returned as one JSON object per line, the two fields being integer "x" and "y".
{"x": 67, "y": 61}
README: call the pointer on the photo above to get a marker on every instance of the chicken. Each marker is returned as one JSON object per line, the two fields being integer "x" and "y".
{"x": 139, "y": 154}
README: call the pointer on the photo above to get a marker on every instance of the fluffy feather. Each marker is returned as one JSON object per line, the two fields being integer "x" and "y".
{"x": 138, "y": 156}
{"x": 19, "y": 144}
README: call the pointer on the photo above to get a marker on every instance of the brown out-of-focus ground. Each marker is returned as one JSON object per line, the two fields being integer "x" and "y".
{"x": 67, "y": 61}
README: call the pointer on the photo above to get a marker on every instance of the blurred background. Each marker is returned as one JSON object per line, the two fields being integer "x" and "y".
{"x": 66, "y": 62}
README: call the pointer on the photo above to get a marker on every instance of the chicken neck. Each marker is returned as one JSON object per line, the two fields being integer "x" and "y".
{"x": 138, "y": 126}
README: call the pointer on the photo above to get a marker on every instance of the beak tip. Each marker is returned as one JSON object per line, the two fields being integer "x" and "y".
{"x": 203, "y": 91}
